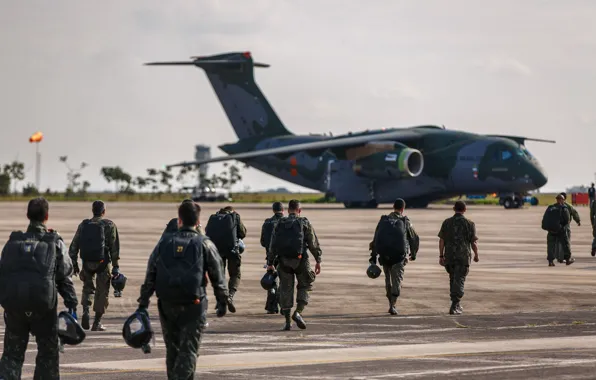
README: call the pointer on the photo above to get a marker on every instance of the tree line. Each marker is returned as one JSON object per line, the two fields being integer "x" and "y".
{"x": 157, "y": 181}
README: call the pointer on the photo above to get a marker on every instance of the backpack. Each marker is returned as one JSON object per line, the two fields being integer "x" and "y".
{"x": 267, "y": 231}
{"x": 551, "y": 220}
{"x": 180, "y": 269}
{"x": 391, "y": 243}
{"x": 221, "y": 229}
{"x": 92, "y": 240}
{"x": 289, "y": 238}
{"x": 27, "y": 273}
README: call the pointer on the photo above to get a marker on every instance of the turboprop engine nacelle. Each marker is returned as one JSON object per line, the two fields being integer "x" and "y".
{"x": 399, "y": 163}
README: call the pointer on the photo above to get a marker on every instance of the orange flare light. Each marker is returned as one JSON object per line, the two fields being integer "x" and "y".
{"x": 36, "y": 137}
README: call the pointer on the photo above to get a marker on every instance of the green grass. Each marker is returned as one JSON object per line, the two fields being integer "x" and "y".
{"x": 543, "y": 199}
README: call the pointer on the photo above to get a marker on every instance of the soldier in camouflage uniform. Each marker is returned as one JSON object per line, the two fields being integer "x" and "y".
{"x": 101, "y": 269}
{"x": 457, "y": 236}
{"x": 171, "y": 228}
{"x": 575, "y": 216}
{"x": 44, "y": 327}
{"x": 232, "y": 260}
{"x": 557, "y": 244}
{"x": 295, "y": 268}
{"x": 272, "y": 303}
{"x": 394, "y": 274}
{"x": 181, "y": 318}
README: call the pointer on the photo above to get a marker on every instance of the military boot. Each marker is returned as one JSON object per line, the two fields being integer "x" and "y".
{"x": 97, "y": 326}
{"x": 593, "y": 251}
{"x": 459, "y": 308}
{"x": 231, "y": 307}
{"x": 454, "y": 310}
{"x": 392, "y": 309}
{"x": 569, "y": 261}
{"x": 298, "y": 319}
{"x": 85, "y": 318}
{"x": 288, "y": 324}
{"x": 551, "y": 263}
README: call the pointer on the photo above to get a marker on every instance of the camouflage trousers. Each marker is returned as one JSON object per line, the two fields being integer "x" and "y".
{"x": 288, "y": 270}
{"x": 272, "y": 303}
{"x": 557, "y": 246}
{"x": 16, "y": 337}
{"x": 96, "y": 281}
{"x": 457, "y": 277}
{"x": 394, "y": 275}
{"x": 182, "y": 330}
{"x": 232, "y": 262}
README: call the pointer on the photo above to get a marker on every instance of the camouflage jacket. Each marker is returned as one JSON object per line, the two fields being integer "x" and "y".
{"x": 112, "y": 242}
{"x": 458, "y": 233}
{"x": 64, "y": 268}
{"x": 411, "y": 236}
{"x": 213, "y": 268}
{"x": 593, "y": 213}
{"x": 573, "y": 212}
{"x": 311, "y": 241}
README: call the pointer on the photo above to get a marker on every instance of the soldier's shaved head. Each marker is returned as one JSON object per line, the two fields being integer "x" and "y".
{"x": 294, "y": 205}
{"x": 460, "y": 206}
{"x": 277, "y": 207}
{"x": 399, "y": 204}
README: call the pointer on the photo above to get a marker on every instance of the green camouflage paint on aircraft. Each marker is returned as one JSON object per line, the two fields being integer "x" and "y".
{"x": 420, "y": 164}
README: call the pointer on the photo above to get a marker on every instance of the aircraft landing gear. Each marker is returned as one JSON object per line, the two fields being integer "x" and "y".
{"x": 514, "y": 201}
{"x": 370, "y": 204}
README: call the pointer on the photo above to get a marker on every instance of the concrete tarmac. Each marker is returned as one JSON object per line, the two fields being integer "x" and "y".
{"x": 522, "y": 319}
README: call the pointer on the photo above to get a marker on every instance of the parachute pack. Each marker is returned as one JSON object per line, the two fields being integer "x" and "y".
{"x": 221, "y": 229}
{"x": 391, "y": 242}
{"x": 92, "y": 240}
{"x": 27, "y": 272}
{"x": 267, "y": 232}
{"x": 180, "y": 276}
{"x": 551, "y": 220}
{"x": 289, "y": 237}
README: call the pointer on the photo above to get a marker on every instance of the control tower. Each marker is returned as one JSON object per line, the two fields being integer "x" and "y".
{"x": 202, "y": 152}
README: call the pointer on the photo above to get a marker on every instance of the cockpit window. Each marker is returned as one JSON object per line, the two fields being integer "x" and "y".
{"x": 505, "y": 155}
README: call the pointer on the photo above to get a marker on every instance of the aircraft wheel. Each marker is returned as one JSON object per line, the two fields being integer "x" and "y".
{"x": 507, "y": 203}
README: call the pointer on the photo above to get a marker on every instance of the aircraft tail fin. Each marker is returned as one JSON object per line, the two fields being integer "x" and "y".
{"x": 231, "y": 76}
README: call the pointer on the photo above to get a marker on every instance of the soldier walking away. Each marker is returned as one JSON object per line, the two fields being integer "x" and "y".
{"x": 225, "y": 228}
{"x": 99, "y": 243}
{"x": 272, "y": 303}
{"x": 575, "y": 216}
{"x": 457, "y": 236}
{"x": 34, "y": 269}
{"x": 394, "y": 241}
{"x": 291, "y": 236}
{"x": 592, "y": 194}
{"x": 555, "y": 221}
{"x": 171, "y": 228}
{"x": 176, "y": 272}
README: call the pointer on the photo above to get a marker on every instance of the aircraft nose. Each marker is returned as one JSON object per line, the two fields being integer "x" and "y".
{"x": 539, "y": 178}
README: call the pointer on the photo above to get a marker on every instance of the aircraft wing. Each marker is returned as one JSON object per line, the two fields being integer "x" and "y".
{"x": 522, "y": 140}
{"x": 342, "y": 141}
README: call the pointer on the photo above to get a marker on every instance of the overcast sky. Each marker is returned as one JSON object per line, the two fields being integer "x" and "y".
{"x": 73, "y": 70}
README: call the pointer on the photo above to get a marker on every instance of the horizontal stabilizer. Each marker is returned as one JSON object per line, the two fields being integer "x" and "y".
{"x": 214, "y": 60}
{"x": 521, "y": 140}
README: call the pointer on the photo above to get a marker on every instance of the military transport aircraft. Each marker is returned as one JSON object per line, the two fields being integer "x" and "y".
{"x": 419, "y": 164}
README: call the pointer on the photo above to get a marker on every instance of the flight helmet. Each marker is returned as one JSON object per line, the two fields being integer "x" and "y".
{"x": 373, "y": 271}
{"x": 69, "y": 330}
